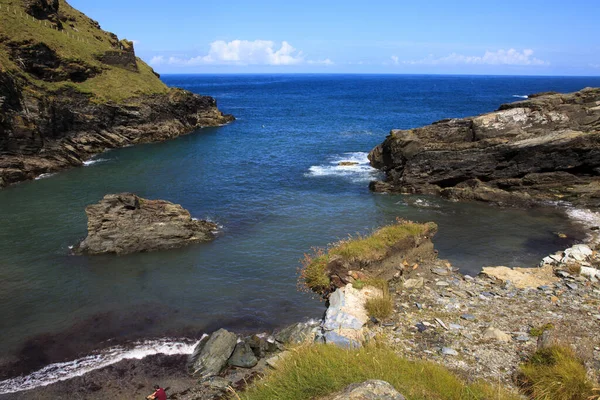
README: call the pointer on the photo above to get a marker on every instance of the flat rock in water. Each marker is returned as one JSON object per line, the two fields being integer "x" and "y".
{"x": 210, "y": 356}
{"x": 125, "y": 223}
{"x": 369, "y": 390}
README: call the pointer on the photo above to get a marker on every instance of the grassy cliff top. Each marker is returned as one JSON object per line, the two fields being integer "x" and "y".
{"x": 47, "y": 42}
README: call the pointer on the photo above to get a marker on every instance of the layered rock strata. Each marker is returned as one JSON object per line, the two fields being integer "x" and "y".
{"x": 545, "y": 148}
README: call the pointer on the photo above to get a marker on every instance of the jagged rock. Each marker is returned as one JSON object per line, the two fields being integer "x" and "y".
{"x": 210, "y": 356}
{"x": 346, "y": 315}
{"x": 496, "y": 334}
{"x": 577, "y": 253}
{"x": 300, "y": 332}
{"x": 369, "y": 390}
{"x": 543, "y": 148}
{"x": 243, "y": 356}
{"x": 125, "y": 223}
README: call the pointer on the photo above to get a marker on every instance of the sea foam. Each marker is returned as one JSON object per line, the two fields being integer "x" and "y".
{"x": 359, "y": 172}
{"x": 520, "y": 96}
{"x": 93, "y": 161}
{"x": 66, "y": 370}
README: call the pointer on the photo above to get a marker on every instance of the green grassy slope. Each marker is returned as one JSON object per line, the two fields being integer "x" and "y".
{"x": 80, "y": 40}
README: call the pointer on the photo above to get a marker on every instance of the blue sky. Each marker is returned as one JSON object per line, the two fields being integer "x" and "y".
{"x": 427, "y": 37}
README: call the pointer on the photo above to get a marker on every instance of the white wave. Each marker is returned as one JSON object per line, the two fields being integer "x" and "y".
{"x": 66, "y": 370}
{"x": 42, "y": 176}
{"x": 93, "y": 161}
{"x": 520, "y": 96}
{"x": 424, "y": 204}
{"x": 358, "y": 168}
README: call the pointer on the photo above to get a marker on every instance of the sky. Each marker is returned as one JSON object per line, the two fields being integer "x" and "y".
{"x": 507, "y": 37}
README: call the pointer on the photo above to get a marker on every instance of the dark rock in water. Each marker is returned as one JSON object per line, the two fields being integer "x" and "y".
{"x": 369, "y": 390}
{"x": 544, "y": 148}
{"x": 297, "y": 333}
{"x": 125, "y": 223}
{"x": 210, "y": 356}
{"x": 243, "y": 356}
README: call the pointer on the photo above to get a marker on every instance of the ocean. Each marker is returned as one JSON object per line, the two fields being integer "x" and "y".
{"x": 271, "y": 180}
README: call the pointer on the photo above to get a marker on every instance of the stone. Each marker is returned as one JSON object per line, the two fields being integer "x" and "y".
{"x": 468, "y": 317}
{"x": 455, "y": 327}
{"x": 440, "y": 271}
{"x": 442, "y": 283}
{"x": 346, "y": 315}
{"x": 579, "y": 252}
{"x": 413, "y": 283}
{"x": 441, "y": 323}
{"x": 243, "y": 356}
{"x": 523, "y": 278}
{"x": 572, "y": 286}
{"x": 590, "y": 272}
{"x": 447, "y": 351}
{"x": 347, "y": 163}
{"x": 522, "y": 338}
{"x": 501, "y": 157}
{"x": 217, "y": 382}
{"x": 297, "y": 333}
{"x": 275, "y": 360}
{"x": 125, "y": 223}
{"x": 369, "y": 390}
{"x": 492, "y": 333}
{"x": 210, "y": 356}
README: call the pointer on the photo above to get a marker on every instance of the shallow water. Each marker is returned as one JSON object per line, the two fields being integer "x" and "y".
{"x": 272, "y": 181}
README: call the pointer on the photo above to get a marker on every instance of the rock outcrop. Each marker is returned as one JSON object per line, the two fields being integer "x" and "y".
{"x": 125, "y": 223}
{"x": 369, "y": 390}
{"x": 69, "y": 90}
{"x": 545, "y": 148}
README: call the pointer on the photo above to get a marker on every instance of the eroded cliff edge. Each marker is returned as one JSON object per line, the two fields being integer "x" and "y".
{"x": 69, "y": 90}
{"x": 545, "y": 148}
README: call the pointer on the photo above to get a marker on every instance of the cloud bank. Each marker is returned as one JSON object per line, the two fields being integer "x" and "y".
{"x": 244, "y": 52}
{"x": 500, "y": 57}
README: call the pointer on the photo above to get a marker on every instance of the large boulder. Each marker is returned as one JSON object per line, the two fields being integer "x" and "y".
{"x": 125, "y": 223}
{"x": 369, "y": 390}
{"x": 210, "y": 355}
{"x": 346, "y": 316}
{"x": 544, "y": 148}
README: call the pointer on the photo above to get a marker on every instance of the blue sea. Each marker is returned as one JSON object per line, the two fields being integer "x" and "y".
{"x": 271, "y": 180}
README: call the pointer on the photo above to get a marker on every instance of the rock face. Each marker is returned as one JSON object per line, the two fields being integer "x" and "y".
{"x": 61, "y": 101}
{"x": 369, "y": 390}
{"x": 543, "y": 148}
{"x": 346, "y": 316}
{"x": 210, "y": 356}
{"x": 125, "y": 223}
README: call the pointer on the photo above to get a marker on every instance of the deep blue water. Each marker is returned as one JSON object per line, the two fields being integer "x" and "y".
{"x": 271, "y": 180}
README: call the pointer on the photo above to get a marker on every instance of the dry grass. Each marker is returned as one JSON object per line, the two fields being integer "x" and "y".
{"x": 556, "y": 373}
{"x": 320, "y": 370}
{"x": 381, "y": 307}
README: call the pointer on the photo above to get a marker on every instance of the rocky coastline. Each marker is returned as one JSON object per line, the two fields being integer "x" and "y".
{"x": 543, "y": 149}
{"x": 70, "y": 90}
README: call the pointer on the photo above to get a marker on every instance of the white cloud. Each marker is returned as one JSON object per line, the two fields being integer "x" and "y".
{"x": 244, "y": 52}
{"x": 500, "y": 57}
{"x": 395, "y": 60}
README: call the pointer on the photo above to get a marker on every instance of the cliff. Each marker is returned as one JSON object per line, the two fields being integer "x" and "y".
{"x": 69, "y": 90}
{"x": 545, "y": 148}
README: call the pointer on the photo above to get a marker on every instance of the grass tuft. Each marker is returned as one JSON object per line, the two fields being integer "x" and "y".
{"x": 320, "y": 370}
{"x": 556, "y": 373}
{"x": 381, "y": 307}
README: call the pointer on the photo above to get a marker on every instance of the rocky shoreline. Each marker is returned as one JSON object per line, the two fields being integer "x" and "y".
{"x": 539, "y": 150}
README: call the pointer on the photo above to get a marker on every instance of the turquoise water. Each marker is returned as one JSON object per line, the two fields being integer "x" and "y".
{"x": 271, "y": 180}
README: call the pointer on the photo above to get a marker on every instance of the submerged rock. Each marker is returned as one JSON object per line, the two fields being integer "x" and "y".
{"x": 369, "y": 390}
{"x": 125, "y": 223}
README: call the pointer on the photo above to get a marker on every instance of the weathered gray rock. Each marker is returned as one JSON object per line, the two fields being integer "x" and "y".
{"x": 577, "y": 253}
{"x": 243, "y": 356}
{"x": 544, "y": 148}
{"x": 210, "y": 356}
{"x": 448, "y": 351}
{"x": 125, "y": 223}
{"x": 492, "y": 333}
{"x": 297, "y": 333}
{"x": 369, "y": 390}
